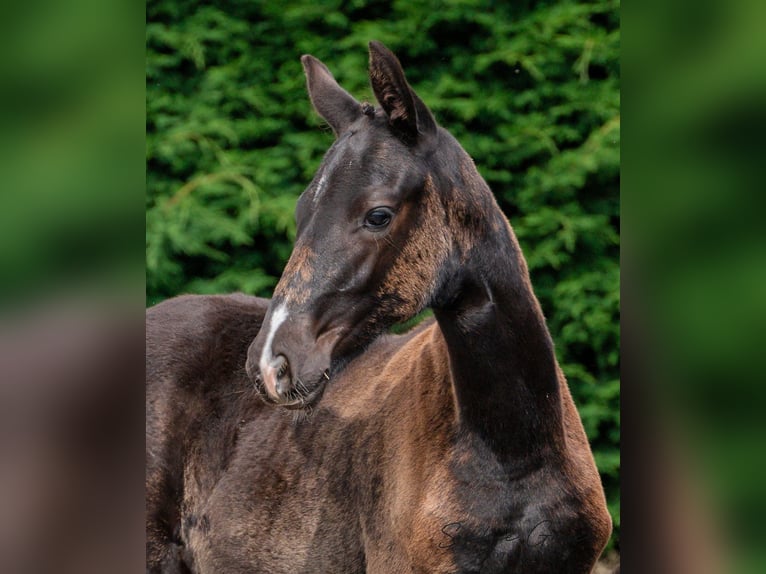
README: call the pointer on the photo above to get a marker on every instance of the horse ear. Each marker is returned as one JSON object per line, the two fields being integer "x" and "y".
{"x": 405, "y": 110}
{"x": 333, "y": 103}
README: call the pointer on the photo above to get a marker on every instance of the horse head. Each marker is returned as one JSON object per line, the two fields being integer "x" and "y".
{"x": 373, "y": 234}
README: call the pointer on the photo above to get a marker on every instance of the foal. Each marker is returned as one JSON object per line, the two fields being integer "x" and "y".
{"x": 453, "y": 448}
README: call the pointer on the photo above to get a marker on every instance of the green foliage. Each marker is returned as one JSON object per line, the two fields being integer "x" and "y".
{"x": 531, "y": 90}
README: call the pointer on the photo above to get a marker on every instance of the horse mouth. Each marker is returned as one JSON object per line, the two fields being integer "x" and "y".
{"x": 304, "y": 401}
{"x": 300, "y": 397}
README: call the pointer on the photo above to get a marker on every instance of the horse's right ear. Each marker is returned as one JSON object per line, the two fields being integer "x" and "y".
{"x": 333, "y": 103}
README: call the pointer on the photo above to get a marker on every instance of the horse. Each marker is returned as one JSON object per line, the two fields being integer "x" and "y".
{"x": 301, "y": 435}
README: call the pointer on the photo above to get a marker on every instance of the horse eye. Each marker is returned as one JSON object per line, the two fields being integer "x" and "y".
{"x": 378, "y": 218}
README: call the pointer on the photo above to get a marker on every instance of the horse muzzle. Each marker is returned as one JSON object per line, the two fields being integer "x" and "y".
{"x": 289, "y": 367}
{"x": 278, "y": 385}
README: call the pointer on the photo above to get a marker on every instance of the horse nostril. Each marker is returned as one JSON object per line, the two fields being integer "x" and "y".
{"x": 281, "y": 366}
{"x": 282, "y": 383}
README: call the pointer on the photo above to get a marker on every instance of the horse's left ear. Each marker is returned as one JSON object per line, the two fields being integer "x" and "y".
{"x": 333, "y": 103}
{"x": 406, "y": 112}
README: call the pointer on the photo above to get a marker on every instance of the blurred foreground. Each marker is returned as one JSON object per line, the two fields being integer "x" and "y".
{"x": 694, "y": 286}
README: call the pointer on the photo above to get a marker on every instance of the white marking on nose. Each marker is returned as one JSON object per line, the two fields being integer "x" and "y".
{"x": 277, "y": 318}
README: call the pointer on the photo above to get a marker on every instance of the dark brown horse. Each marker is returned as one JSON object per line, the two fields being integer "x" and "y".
{"x": 455, "y": 447}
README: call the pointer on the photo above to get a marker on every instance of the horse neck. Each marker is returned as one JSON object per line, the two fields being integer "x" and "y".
{"x": 504, "y": 372}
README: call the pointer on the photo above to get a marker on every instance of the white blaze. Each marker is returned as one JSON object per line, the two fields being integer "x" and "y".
{"x": 277, "y": 318}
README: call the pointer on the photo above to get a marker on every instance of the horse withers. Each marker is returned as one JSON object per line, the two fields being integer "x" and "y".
{"x": 453, "y": 448}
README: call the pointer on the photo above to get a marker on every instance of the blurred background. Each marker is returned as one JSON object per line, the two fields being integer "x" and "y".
{"x": 72, "y": 116}
{"x": 693, "y": 278}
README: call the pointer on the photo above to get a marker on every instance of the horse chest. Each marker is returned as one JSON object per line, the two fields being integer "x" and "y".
{"x": 280, "y": 506}
{"x": 256, "y": 539}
